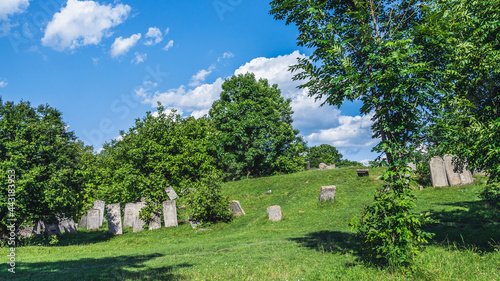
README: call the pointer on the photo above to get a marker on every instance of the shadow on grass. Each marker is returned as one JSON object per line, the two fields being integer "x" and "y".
{"x": 67, "y": 239}
{"x": 109, "y": 268}
{"x": 473, "y": 224}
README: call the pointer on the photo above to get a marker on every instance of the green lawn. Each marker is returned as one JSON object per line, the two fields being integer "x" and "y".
{"x": 312, "y": 242}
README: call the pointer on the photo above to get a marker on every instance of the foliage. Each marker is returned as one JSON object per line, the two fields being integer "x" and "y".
{"x": 255, "y": 136}
{"x": 492, "y": 194}
{"x": 323, "y": 153}
{"x": 369, "y": 51}
{"x": 207, "y": 203}
{"x": 46, "y": 160}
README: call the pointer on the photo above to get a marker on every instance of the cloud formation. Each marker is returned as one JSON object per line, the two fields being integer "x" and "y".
{"x": 139, "y": 58}
{"x": 155, "y": 36}
{"x": 10, "y": 7}
{"x": 169, "y": 45}
{"x": 3, "y": 83}
{"x": 83, "y": 23}
{"x": 122, "y": 45}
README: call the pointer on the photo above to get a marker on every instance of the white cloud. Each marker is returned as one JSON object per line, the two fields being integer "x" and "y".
{"x": 3, "y": 83}
{"x": 139, "y": 58}
{"x": 155, "y": 34}
{"x": 123, "y": 45}
{"x": 201, "y": 76}
{"x": 10, "y": 7}
{"x": 83, "y": 23}
{"x": 226, "y": 55}
{"x": 169, "y": 45}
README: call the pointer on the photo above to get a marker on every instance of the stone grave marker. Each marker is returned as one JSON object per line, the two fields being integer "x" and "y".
{"x": 114, "y": 219}
{"x": 274, "y": 213}
{"x": 171, "y": 193}
{"x": 39, "y": 228}
{"x": 93, "y": 216}
{"x": 327, "y": 193}
{"x": 25, "y": 231}
{"x": 363, "y": 172}
{"x": 412, "y": 166}
{"x": 466, "y": 177}
{"x": 67, "y": 225}
{"x": 155, "y": 223}
{"x": 194, "y": 224}
{"x": 170, "y": 213}
{"x": 449, "y": 167}
{"x": 138, "y": 222}
{"x": 83, "y": 221}
{"x": 308, "y": 166}
{"x": 236, "y": 208}
{"x": 99, "y": 205}
{"x": 129, "y": 214}
{"x": 53, "y": 229}
{"x": 438, "y": 172}
{"x": 331, "y": 167}
{"x": 322, "y": 166}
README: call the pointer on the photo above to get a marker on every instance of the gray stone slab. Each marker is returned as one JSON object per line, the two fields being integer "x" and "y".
{"x": 67, "y": 225}
{"x": 412, "y": 166}
{"x": 25, "y": 231}
{"x": 194, "y": 224}
{"x": 466, "y": 177}
{"x": 114, "y": 219}
{"x": 171, "y": 193}
{"x": 322, "y": 166}
{"x": 99, "y": 205}
{"x": 170, "y": 213}
{"x": 39, "y": 228}
{"x": 83, "y": 221}
{"x": 155, "y": 223}
{"x": 274, "y": 213}
{"x": 138, "y": 222}
{"x": 53, "y": 229}
{"x": 451, "y": 175}
{"x": 308, "y": 166}
{"x": 438, "y": 172}
{"x": 363, "y": 172}
{"x": 93, "y": 216}
{"x": 236, "y": 208}
{"x": 327, "y": 193}
{"x": 130, "y": 212}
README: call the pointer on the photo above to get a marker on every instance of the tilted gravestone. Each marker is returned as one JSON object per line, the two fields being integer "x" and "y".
{"x": 170, "y": 213}
{"x": 466, "y": 177}
{"x": 236, "y": 208}
{"x": 53, "y": 229}
{"x": 39, "y": 228}
{"x": 93, "y": 216}
{"x": 99, "y": 205}
{"x": 25, "y": 231}
{"x": 322, "y": 166}
{"x": 438, "y": 172}
{"x": 449, "y": 167}
{"x": 155, "y": 223}
{"x": 330, "y": 167}
{"x": 83, "y": 221}
{"x": 193, "y": 223}
{"x": 171, "y": 193}
{"x": 67, "y": 225}
{"x": 274, "y": 213}
{"x": 129, "y": 214}
{"x": 363, "y": 172}
{"x": 327, "y": 193}
{"x": 138, "y": 222}
{"x": 114, "y": 219}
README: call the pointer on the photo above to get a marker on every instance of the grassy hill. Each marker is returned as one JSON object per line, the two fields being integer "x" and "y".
{"x": 312, "y": 242}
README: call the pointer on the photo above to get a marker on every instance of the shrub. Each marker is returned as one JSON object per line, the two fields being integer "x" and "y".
{"x": 207, "y": 203}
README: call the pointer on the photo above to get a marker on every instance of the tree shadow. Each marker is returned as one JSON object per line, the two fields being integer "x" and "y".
{"x": 110, "y": 268}
{"x": 474, "y": 225}
{"x": 67, "y": 239}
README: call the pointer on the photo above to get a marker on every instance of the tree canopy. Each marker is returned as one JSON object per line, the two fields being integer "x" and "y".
{"x": 323, "y": 153}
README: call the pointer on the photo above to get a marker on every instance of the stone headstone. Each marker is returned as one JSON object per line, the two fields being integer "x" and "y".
{"x": 138, "y": 222}
{"x": 39, "y": 228}
{"x": 93, "y": 216}
{"x": 327, "y": 193}
{"x": 274, "y": 213}
{"x": 236, "y": 208}
{"x": 170, "y": 213}
{"x": 449, "y": 167}
{"x": 308, "y": 166}
{"x": 53, "y": 229}
{"x": 194, "y": 224}
{"x": 466, "y": 177}
{"x": 363, "y": 172}
{"x": 155, "y": 223}
{"x": 114, "y": 219}
{"x": 479, "y": 173}
{"x": 83, "y": 221}
{"x": 25, "y": 231}
{"x": 67, "y": 225}
{"x": 171, "y": 193}
{"x": 99, "y": 205}
{"x": 129, "y": 214}
{"x": 330, "y": 167}
{"x": 412, "y": 166}
{"x": 438, "y": 172}
{"x": 322, "y": 166}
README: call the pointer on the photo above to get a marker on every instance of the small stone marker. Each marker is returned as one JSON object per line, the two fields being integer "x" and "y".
{"x": 327, "y": 193}
{"x": 322, "y": 166}
{"x": 308, "y": 166}
{"x": 479, "y": 172}
{"x": 363, "y": 172}
{"x": 194, "y": 224}
{"x": 155, "y": 223}
{"x": 25, "y": 232}
{"x": 53, "y": 229}
{"x": 114, "y": 219}
{"x": 453, "y": 178}
{"x": 331, "y": 167}
{"x": 129, "y": 214}
{"x": 39, "y": 228}
{"x": 170, "y": 213}
{"x": 412, "y": 166}
{"x": 274, "y": 213}
{"x": 83, "y": 221}
{"x": 466, "y": 177}
{"x": 171, "y": 193}
{"x": 236, "y": 208}
{"x": 67, "y": 225}
{"x": 438, "y": 172}
{"x": 138, "y": 222}
{"x": 93, "y": 216}
{"x": 99, "y": 205}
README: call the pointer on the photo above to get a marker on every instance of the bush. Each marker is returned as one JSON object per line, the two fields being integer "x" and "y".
{"x": 207, "y": 203}
{"x": 492, "y": 194}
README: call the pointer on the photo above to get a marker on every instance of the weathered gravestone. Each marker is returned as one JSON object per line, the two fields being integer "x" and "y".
{"x": 466, "y": 177}
{"x": 274, "y": 213}
{"x": 236, "y": 208}
{"x": 363, "y": 172}
{"x": 155, "y": 223}
{"x": 67, "y": 225}
{"x": 438, "y": 172}
{"x": 308, "y": 166}
{"x": 412, "y": 166}
{"x": 449, "y": 167}
{"x": 327, "y": 193}
{"x": 99, "y": 205}
{"x": 53, "y": 229}
{"x": 170, "y": 213}
{"x": 114, "y": 219}
{"x": 322, "y": 166}
{"x": 39, "y": 228}
{"x": 138, "y": 222}
{"x": 25, "y": 231}
{"x": 129, "y": 214}
{"x": 193, "y": 223}
{"x": 330, "y": 167}
{"x": 83, "y": 221}
{"x": 93, "y": 216}
{"x": 171, "y": 193}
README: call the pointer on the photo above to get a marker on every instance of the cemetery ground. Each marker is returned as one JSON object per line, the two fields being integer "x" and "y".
{"x": 312, "y": 242}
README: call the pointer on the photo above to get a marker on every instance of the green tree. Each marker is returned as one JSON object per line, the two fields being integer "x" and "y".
{"x": 255, "y": 136}
{"x": 46, "y": 160}
{"x": 323, "y": 153}
{"x": 368, "y": 51}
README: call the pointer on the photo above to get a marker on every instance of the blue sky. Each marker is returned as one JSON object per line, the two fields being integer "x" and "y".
{"x": 105, "y": 63}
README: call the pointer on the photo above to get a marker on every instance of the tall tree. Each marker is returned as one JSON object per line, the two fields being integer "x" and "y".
{"x": 323, "y": 153}
{"x": 366, "y": 50}
{"x": 256, "y": 136}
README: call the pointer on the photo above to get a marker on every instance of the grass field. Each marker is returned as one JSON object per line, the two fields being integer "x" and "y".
{"x": 312, "y": 242}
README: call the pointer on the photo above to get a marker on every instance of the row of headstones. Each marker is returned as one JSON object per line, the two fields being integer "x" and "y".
{"x": 63, "y": 225}
{"x": 443, "y": 172}
{"x": 322, "y": 166}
